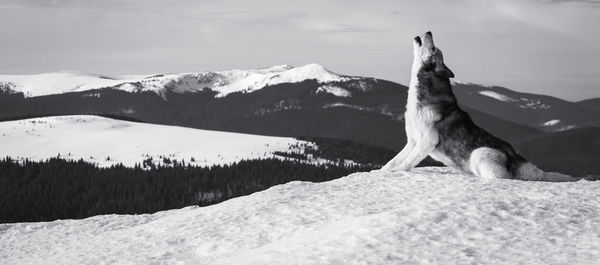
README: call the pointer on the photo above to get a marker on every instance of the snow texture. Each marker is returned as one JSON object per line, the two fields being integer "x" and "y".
{"x": 524, "y": 103}
{"x": 551, "y": 122}
{"x": 556, "y": 122}
{"x": 94, "y": 139}
{"x": 566, "y": 128}
{"x": 497, "y": 96}
{"x": 427, "y": 216}
{"x": 334, "y": 90}
{"x": 222, "y": 82}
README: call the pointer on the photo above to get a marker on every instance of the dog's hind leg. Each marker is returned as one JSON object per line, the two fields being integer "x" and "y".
{"x": 528, "y": 171}
{"x": 489, "y": 163}
{"x": 397, "y": 160}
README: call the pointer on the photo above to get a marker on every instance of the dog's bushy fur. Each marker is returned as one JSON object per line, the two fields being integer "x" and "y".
{"x": 436, "y": 126}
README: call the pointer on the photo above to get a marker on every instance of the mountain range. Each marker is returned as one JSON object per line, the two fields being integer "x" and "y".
{"x": 546, "y": 113}
{"x": 300, "y": 101}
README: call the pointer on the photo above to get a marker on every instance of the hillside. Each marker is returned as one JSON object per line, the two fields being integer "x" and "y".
{"x": 592, "y": 104}
{"x": 428, "y": 216}
{"x": 542, "y": 112}
{"x": 105, "y": 142}
{"x": 576, "y": 152}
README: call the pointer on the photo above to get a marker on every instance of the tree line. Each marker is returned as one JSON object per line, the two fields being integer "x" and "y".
{"x": 59, "y": 189}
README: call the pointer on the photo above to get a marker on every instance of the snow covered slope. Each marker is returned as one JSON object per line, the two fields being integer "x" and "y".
{"x": 428, "y": 216}
{"x": 222, "y": 82}
{"x": 56, "y": 83}
{"x": 107, "y": 142}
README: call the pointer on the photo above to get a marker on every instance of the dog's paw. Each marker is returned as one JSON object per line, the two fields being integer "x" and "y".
{"x": 398, "y": 169}
{"x": 561, "y": 179}
{"x": 558, "y": 177}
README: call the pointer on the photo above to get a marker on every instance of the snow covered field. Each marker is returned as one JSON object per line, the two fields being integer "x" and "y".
{"x": 428, "y": 216}
{"x": 107, "y": 142}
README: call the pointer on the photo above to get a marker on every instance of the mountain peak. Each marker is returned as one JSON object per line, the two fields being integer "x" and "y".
{"x": 251, "y": 80}
{"x": 315, "y": 71}
{"x": 314, "y": 67}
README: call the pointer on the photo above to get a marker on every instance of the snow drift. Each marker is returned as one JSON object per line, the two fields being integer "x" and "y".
{"x": 427, "y": 216}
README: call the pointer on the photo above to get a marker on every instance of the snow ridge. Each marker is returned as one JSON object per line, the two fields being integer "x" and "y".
{"x": 426, "y": 216}
{"x": 56, "y": 83}
{"x": 222, "y": 82}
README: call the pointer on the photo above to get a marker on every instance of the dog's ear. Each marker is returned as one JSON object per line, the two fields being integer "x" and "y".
{"x": 441, "y": 70}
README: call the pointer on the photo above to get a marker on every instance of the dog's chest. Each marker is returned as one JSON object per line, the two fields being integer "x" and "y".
{"x": 418, "y": 112}
{"x": 419, "y": 118}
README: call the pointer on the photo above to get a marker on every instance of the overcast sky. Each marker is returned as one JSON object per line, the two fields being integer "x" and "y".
{"x": 540, "y": 46}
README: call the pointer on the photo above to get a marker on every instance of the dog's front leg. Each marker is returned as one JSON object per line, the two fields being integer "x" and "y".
{"x": 424, "y": 144}
{"x": 415, "y": 156}
{"x": 401, "y": 156}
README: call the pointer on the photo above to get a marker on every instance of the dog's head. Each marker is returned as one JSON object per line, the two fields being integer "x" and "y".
{"x": 428, "y": 58}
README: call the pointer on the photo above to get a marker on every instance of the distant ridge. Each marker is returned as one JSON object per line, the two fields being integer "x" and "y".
{"x": 222, "y": 82}
{"x": 592, "y": 104}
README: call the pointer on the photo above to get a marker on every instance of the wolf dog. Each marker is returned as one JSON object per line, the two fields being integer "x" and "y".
{"x": 436, "y": 126}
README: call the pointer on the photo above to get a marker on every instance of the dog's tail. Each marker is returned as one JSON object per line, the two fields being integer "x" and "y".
{"x": 528, "y": 171}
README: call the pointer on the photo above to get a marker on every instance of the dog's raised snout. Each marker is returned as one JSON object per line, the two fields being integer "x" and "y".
{"x": 427, "y": 39}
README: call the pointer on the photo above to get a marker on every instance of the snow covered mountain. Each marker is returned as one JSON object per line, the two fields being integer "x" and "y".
{"x": 427, "y": 216}
{"x": 221, "y": 82}
{"x": 107, "y": 142}
{"x": 542, "y": 112}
